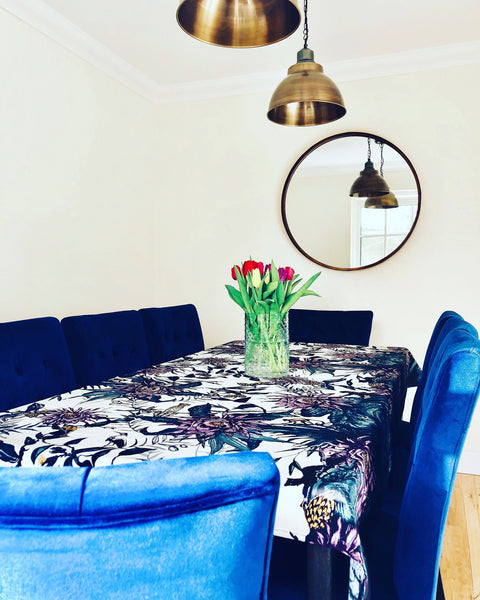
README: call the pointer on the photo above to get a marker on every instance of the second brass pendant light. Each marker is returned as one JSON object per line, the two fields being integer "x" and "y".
{"x": 306, "y": 96}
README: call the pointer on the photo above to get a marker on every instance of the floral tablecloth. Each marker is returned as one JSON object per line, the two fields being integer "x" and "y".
{"x": 327, "y": 425}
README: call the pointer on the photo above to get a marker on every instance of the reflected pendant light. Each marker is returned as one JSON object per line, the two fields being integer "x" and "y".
{"x": 370, "y": 183}
{"x": 306, "y": 96}
{"x": 239, "y": 23}
{"x": 387, "y": 200}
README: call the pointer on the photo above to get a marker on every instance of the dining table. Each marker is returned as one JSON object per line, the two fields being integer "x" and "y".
{"x": 328, "y": 424}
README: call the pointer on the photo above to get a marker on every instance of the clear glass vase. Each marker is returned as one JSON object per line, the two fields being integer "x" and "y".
{"x": 266, "y": 345}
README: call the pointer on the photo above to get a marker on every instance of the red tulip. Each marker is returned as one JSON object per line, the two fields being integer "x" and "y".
{"x": 248, "y": 266}
{"x": 234, "y": 275}
{"x": 290, "y": 273}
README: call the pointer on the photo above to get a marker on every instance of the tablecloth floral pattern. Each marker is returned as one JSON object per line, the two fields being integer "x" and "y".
{"x": 327, "y": 425}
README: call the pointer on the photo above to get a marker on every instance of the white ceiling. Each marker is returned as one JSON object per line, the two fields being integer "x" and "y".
{"x": 140, "y": 42}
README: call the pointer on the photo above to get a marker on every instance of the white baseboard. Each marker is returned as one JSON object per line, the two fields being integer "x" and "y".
{"x": 469, "y": 462}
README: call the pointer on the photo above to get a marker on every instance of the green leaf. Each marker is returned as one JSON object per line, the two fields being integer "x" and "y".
{"x": 235, "y": 295}
{"x": 272, "y": 286}
{"x": 280, "y": 294}
{"x": 245, "y": 296}
{"x": 311, "y": 293}
{"x": 274, "y": 273}
{"x": 298, "y": 294}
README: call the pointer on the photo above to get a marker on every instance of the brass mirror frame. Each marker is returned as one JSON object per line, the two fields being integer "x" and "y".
{"x": 322, "y": 143}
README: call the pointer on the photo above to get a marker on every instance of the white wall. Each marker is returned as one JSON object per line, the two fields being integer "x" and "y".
{"x": 110, "y": 202}
{"x": 78, "y": 171}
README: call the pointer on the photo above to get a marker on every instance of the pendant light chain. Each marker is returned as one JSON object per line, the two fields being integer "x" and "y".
{"x": 305, "y": 24}
{"x": 369, "y": 155}
{"x": 381, "y": 159}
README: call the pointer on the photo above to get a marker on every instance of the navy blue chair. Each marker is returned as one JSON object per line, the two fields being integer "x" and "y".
{"x": 105, "y": 345}
{"x": 165, "y": 530}
{"x": 403, "y": 548}
{"x": 330, "y": 326}
{"x": 34, "y": 362}
{"x": 172, "y": 332}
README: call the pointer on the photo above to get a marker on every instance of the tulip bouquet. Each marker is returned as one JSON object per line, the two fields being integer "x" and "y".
{"x": 266, "y": 294}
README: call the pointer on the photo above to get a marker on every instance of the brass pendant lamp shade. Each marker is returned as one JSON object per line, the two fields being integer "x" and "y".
{"x": 306, "y": 96}
{"x": 370, "y": 183}
{"x": 386, "y": 201}
{"x": 239, "y": 23}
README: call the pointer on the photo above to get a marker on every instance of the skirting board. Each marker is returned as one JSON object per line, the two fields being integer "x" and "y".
{"x": 469, "y": 462}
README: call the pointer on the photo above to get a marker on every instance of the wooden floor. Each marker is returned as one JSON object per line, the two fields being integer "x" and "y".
{"x": 460, "y": 563}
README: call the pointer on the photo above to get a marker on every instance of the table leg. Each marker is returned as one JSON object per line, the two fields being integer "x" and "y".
{"x": 319, "y": 572}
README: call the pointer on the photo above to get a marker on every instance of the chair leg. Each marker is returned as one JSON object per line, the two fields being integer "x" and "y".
{"x": 320, "y": 583}
{"x": 440, "y": 592}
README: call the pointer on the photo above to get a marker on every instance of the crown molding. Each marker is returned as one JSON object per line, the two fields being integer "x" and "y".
{"x": 42, "y": 17}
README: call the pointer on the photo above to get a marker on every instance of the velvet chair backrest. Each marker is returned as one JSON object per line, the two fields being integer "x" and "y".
{"x": 451, "y": 390}
{"x": 172, "y": 332}
{"x": 330, "y": 326}
{"x": 447, "y": 321}
{"x": 34, "y": 362}
{"x": 175, "y": 529}
{"x": 105, "y": 345}
{"x": 453, "y": 327}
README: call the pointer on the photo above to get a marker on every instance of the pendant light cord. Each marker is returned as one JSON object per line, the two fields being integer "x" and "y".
{"x": 381, "y": 159}
{"x": 305, "y": 24}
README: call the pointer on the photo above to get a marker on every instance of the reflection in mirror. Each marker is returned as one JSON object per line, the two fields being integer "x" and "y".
{"x": 335, "y": 230}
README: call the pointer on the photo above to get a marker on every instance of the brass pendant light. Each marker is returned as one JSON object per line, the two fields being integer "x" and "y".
{"x": 370, "y": 183}
{"x": 386, "y": 201}
{"x": 239, "y": 23}
{"x": 306, "y": 96}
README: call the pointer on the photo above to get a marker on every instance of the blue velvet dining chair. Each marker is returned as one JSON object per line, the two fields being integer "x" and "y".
{"x": 172, "y": 332}
{"x": 403, "y": 548}
{"x": 34, "y": 362}
{"x": 448, "y": 322}
{"x": 330, "y": 326}
{"x": 105, "y": 345}
{"x": 165, "y": 530}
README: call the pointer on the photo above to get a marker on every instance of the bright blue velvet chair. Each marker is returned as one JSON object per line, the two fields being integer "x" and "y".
{"x": 34, "y": 362}
{"x": 172, "y": 332}
{"x": 403, "y": 548}
{"x": 330, "y": 326}
{"x": 175, "y": 529}
{"x": 448, "y": 322}
{"x": 105, "y": 345}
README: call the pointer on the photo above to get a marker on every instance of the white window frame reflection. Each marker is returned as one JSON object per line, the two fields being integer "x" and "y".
{"x": 405, "y": 198}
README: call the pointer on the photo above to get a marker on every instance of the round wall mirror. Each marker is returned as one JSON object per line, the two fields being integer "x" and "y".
{"x": 348, "y": 232}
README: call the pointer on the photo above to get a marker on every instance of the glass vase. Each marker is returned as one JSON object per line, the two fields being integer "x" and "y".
{"x": 266, "y": 345}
